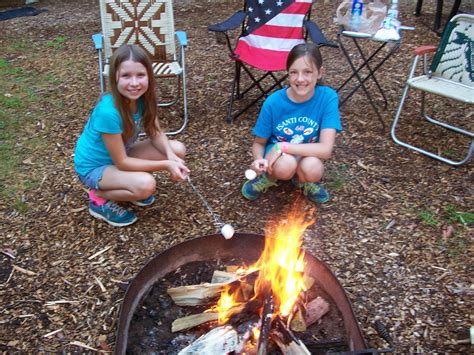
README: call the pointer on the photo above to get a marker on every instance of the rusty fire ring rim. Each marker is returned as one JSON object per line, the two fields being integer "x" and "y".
{"x": 185, "y": 252}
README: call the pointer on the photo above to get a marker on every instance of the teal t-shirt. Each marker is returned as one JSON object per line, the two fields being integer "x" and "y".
{"x": 91, "y": 151}
{"x": 282, "y": 120}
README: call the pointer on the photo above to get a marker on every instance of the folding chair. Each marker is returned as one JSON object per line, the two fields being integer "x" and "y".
{"x": 451, "y": 75}
{"x": 269, "y": 30}
{"x": 150, "y": 24}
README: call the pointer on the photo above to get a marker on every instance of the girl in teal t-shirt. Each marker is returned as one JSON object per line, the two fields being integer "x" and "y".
{"x": 296, "y": 129}
{"x": 108, "y": 158}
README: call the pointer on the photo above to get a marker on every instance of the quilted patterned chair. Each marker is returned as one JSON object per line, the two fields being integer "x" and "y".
{"x": 150, "y": 24}
{"x": 451, "y": 75}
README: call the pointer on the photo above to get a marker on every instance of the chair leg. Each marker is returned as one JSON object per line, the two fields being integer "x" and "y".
{"x": 419, "y": 4}
{"x": 420, "y": 150}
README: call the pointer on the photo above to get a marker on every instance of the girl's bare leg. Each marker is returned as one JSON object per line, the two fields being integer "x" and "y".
{"x": 284, "y": 167}
{"x": 310, "y": 169}
{"x": 146, "y": 150}
{"x": 120, "y": 185}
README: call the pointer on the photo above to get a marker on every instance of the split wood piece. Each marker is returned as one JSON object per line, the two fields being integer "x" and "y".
{"x": 286, "y": 341}
{"x": 195, "y": 295}
{"x": 305, "y": 316}
{"x": 223, "y": 276}
{"x": 193, "y": 321}
{"x": 266, "y": 322}
{"x": 220, "y": 340}
{"x": 315, "y": 310}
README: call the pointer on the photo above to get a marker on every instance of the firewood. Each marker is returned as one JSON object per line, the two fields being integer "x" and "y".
{"x": 223, "y": 276}
{"x": 308, "y": 282}
{"x": 193, "y": 320}
{"x": 194, "y": 295}
{"x": 266, "y": 322}
{"x": 298, "y": 322}
{"x": 286, "y": 341}
{"x": 315, "y": 310}
{"x": 220, "y": 340}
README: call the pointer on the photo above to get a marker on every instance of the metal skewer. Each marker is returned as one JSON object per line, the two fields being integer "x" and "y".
{"x": 217, "y": 219}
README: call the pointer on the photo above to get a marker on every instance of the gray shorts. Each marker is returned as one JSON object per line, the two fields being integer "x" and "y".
{"x": 93, "y": 178}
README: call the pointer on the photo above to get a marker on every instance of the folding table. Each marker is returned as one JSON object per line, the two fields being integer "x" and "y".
{"x": 372, "y": 60}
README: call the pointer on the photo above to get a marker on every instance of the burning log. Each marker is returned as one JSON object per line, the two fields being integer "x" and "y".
{"x": 193, "y": 320}
{"x": 196, "y": 295}
{"x": 286, "y": 341}
{"x": 307, "y": 315}
{"x": 220, "y": 340}
{"x": 266, "y": 322}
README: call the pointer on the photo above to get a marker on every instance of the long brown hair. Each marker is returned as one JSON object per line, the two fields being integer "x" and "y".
{"x": 149, "y": 119}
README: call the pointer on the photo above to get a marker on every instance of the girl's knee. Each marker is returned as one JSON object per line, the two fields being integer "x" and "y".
{"x": 178, "y": 148}
{"x": 311, "y": 169}
{"x": 145, "y": 185}
{"x": 285, "y": 168}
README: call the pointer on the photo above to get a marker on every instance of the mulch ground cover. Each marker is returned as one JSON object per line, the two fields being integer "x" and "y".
{"x": 389, "y": 232}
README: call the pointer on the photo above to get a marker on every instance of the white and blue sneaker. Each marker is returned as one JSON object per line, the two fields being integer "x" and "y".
{"x": 146, "y": 202}
{"x": 112, "y": 213}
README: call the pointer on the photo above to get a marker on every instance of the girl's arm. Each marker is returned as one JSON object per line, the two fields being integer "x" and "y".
{"x": 259, "y": 164}
{"x": 321, "y": 150}
{"x": 161, "y": 143}
{"x": 116, "y": 148}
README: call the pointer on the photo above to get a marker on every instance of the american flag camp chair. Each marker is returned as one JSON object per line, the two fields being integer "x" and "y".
{"x": 149, "y": 24}
{"x": 450, "y": 76}
{"x": 269, "y": 30}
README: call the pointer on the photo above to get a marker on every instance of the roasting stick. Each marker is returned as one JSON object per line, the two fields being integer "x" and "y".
{"x": 226, "y": 229}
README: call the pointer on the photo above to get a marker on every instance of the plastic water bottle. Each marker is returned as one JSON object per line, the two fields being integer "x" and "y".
{"x": 393, "y": 10}
{"x": 356, "y": 15}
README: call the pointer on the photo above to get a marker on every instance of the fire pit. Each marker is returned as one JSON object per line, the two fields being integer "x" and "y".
{"x": 246, "y": 247}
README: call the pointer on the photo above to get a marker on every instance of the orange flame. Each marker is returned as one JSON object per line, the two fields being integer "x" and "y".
{"x": 282, "y": 262}
{"x": 280, "y": 265}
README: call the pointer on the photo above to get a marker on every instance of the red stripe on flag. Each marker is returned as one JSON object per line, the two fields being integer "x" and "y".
{"x": 279, "y": 32}
{"x": 300, "y": 8}
{"x": 263, "y": 59}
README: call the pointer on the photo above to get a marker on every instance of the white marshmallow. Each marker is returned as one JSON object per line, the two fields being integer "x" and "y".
{"x": 250, "y": 174}
{"x": 227, "y": 231}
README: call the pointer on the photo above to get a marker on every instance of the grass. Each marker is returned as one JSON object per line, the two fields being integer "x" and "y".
{"x": 457, "y": 242}
{"x": 17, "y": 120}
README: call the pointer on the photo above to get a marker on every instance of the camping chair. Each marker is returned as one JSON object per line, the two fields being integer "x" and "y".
{"x": 451, "y": 75}
{"x": 269, "y": 30}
{"x": 150, "y": 24}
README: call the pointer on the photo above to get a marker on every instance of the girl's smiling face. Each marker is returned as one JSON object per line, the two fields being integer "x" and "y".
{"x": 303, "y": 76}
{"x": 132, "y": 80}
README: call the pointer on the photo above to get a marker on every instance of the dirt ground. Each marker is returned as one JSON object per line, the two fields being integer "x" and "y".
{"x": 377, "y": 235}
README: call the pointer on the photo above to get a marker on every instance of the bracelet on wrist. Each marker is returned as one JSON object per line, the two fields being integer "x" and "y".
{"x": 277, "y": 148}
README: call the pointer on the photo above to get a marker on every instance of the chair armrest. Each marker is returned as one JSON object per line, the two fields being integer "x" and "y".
{"x": 182, "y": 38}
{"x": 231, "y": 23}
{"x": 424, "y": 50}
{"x": 317, "y": 36}
{"x": 97, "y": 39}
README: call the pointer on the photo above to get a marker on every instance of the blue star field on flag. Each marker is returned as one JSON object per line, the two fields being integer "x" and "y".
{"x": 260, "y": 12}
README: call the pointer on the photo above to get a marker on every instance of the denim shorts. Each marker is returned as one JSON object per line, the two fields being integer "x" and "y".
{"x": 94, "y": 176}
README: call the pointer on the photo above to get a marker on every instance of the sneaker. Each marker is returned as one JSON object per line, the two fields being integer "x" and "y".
{"x": 315, "y": 192}
{"x": 112, "y": 213}
{"x": 146, "y": 202}
{"x": 253, "y": 188}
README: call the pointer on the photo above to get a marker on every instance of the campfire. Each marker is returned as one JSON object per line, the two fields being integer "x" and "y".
{"x": 249, "y": 294}
{"x": 261, "y": 306}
